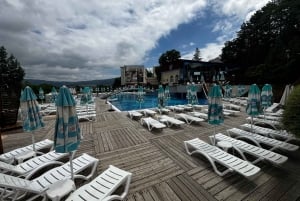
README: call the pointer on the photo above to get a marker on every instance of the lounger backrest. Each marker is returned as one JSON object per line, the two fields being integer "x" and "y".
{"x": 63, "y": 172}
{"x": 16, "y": 183}
{"x": 103, "y": 186}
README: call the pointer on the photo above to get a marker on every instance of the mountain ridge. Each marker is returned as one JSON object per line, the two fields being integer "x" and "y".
{"x": 106, "y": 82}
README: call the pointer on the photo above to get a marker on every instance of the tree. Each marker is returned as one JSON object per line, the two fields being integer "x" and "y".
{"x": 269, "y": 43}
{"x": 165, "y": 60}
{"x": 291, "y": 114}
{"x": 197, "y": 55}
{"x": 117, "y": 83}
{"x": 11, "y": 76}
{"x": 168, "y": 57}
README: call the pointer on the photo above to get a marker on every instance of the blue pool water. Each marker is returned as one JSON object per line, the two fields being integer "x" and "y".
{"x": 128, "y": 101}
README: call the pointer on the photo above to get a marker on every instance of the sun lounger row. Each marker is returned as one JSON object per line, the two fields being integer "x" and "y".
{"x": 274, "y": 124}
{"x": 33, "y": 164}
{"x": 277, "y": 134}
{"x": 216, "y": 156}
{"x": 255, "y": 151}
{"x": 188, "y": 118}
{"x": 258, "y": 139}
{"x": 232, "y": 163}
{"x": 55, "y": 183}
{"x": 10, "y": 157}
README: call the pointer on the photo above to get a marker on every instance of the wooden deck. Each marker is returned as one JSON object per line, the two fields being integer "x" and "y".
{"x": 161, "y": 168}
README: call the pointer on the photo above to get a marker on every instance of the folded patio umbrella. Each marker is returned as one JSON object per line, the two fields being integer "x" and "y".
{"x": 215, "y": 107}
{"x": 253, "y": 107}
{"x": 32, "y": 119}
{"x": 67, "y": 131}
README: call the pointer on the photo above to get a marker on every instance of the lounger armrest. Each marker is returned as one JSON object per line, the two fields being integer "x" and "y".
{"x": 92, "y": 173}
{"x": 112, "y": 197}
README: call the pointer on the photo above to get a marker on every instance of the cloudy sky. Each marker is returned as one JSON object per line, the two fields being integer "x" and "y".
{"x": 74, "y": 40}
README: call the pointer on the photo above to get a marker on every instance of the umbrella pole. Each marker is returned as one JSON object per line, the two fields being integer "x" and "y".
{"x": 33, "y": 141}
{"x": 214, "y": 135}
{"x": 71, "y": 164}
{"x": 251, "y": 124}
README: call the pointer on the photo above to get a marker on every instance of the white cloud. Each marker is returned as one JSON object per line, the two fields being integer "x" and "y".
{"x": 230, "y": 14}
{"x": 79, "y": 40}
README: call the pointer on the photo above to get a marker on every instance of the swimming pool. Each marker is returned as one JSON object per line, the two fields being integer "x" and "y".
{"x": 128, "y": 101}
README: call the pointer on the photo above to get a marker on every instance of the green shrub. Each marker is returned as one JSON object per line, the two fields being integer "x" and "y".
{"x": 291, "y": 115}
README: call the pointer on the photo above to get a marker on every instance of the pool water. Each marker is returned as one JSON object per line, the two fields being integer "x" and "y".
{"x": 128, "y": 101}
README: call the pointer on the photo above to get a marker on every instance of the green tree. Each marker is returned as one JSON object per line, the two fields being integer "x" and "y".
{"x": 291, "y": 114}
{"x": 165, "y": 60}
{"x": 197, "y": 55}
{"x": 269, "y": 43}
{"x": 117, "y": 83}
{"x": 169, "y": 57}
{"x": 11, "y": 76}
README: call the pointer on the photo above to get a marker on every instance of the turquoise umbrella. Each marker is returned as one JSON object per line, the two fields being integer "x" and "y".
{"x": 53, "y": 94}
{"x": 32, "y": 119}
{"x": 140, "y": 96}
{"x": 228, "y": 91}
{"x": 241, "y": 90}
{"x": 194, "y": 98}
{"x": 67, "y": 131}
{"x": 167, "y": 95}
{"x": 188, "y": 93}
{"x": 41, "y": 94}
{"x": 161, "y": 97}
{"x": 215, "y": 107}
{"x": 266, "y": 96}
{"x": 222, "y": 77}
{"x": 253, "y": 107}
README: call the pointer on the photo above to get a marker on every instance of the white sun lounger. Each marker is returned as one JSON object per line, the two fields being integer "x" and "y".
{"x": 231, "y": 112}
{"x": 148, "y": 112}
{"x": 188, "y": 118}
{"x": 258, "y": 139}
{"x": 32, "y": 164}
{"x": 277, "y": 134}
{"x": 269, "y": 117}
{"x": 175, "y": 108}
{"x": 216, "y": 155}
{"x": 272, "y": 123}
{"x": 15, "y": 187}
{"x": 162, "y": 110}
{"x": 103, "y": 186}
{"x": 170, "y": 120}
{"x": 186, "y": 107}
{"x": 199, "y": 114}
{"x": 152, "y": 123}
{"x": 196, "y": 106}
{"x": 258, "y": 152}
{"x": 278, "y": 113}
{"x": 272, "y": 107}
{"x": 87, "y": 117}
{"x": 134, "y": 114}
{"x": 232, "y": 107}
{"x": 9, "y": 157}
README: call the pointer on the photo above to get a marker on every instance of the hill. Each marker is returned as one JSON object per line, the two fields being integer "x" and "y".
{"x": 106, "y": 82}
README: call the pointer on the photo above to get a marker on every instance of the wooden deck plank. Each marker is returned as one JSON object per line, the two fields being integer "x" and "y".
{"x": 162, "y": 170}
